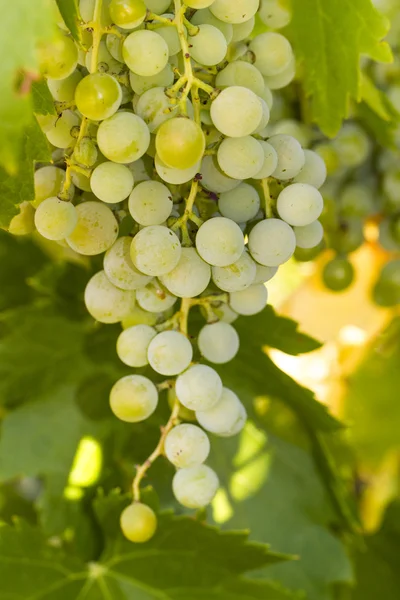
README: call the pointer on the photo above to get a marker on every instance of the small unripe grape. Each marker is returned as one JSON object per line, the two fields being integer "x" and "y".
{"x": 180, "y": 143}
{"x": 127, "y": 14}
{"x": 338, "y": 274}
{"x": 138, "y": 522}
{"x": 85, "y": 152}
{"x": 133, "y": 398}
{"x": 98, "y": 96}
{"x": 55, "y": 219}
{"x": 195, "y": 487}
{"x": 186, "y": 446}
{"x": 58, "y": 58}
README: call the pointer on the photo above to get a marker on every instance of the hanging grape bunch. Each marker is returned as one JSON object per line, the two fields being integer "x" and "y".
{"x": 167, "y": 167}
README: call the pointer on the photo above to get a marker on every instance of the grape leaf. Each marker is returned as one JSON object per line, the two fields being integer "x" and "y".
{"x": 186, "y": 560}
{"x": 328, "y": 39}
{"x": 70, "y": 13}
{"x": 43, "y": 102}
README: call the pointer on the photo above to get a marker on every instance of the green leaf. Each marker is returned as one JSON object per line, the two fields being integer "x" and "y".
{"x": 186, "y": 560}
{"x": 374, "y": 98}
{"x": 43, "y": 102}
{"x": 70, "y": 13}
{"x": 329, "y": 39}
{"x": 20, "y": 188}
{"x": 22, "y": 26}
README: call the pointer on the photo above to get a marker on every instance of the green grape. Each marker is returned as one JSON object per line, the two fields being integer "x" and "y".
{"x": 357, "y": 200}
{"x": 154, "y": 298}
{"x": 24, "y": 222}
{"x": 197, "y": 4}
{"x": 250, "y": 301}
{"x": 273, "y": 53}
{"x": 81, "y": 180}
{"x": 105, "y": 302}
{"x": 387, "y": 289}
{"x": 58, "y": 58}
{"x": 170, "y": 353}
{"x": 87, "y": 7}
{"x": 63, "y": 90}
{"x": 299, "y": 131}
{"x": 265, "y": 117}
{"x": 264, "y": 274}
{"x": 300, "y": 204}
{"x": 157, "y": 6}
{"x": 240, "y": 204}
{"x": 282, "y": 79}
{"x": 98, "y": 96}
{"x": 199, "y": 388}
{"x": 190, "y": 277}
{"x": 96, "y": 231}
{"x": 114, "y": 45}
{"x": 49, "y": 182}
{"x": 138, "y": 316}
{"x": 105, "y": 60}
{"x": 138, "y": 523}
{"x": 195, "y": 487}
{"x": 236, "y": 277}
{"x": 61, "y": 134}
{"x": 155, "y": 250}
{"x": 218, "y": 342}
{"x": 150, "y": 203}
{"x": 272, "y": 242}
{"x": 170, "y": 35}
{"x": 308, "y": 254}
{"x": 111, "y": 182}
{"x": 338, "y": 274}
{"x": 391, "y": 185}
{"x": 314, "y": 170}
{"x": 241, "y": 31}
{"x": 236, "y": 112}
{"x": 127, "y": 14}
{"x": 243, "y": 74}
{"x": 205, "y": 17}
{"x": 330, "y": 156}
{"x": 133, "y": 344}
{"x": 180, "y": 143}
{"x": 213, "y": 179}
{"x": 352, "y": 144}
{"x": 145, "y": 52}
{"x": 55, "y": 219}
{"x": 186, "y": 446}
{"x": 291, "y": 158}
{"x": 241, "y": 158}
{"x": 163, "y": 79}
{"x": 155, "y": 107}
{"x": 208, "y": 47}
{"x": 133, "y": 398}
{"x": 175, "y": 176}
{"x": 270, "y": 161}
{"x": 220, "y": 242}
{"x": 234, "y": 12}
{"x": 227, "y": 418}
{"x": 275, "y": 13}
{"x": 120, "y": 269}
{"x": 123, "y": 138}
{"x": 309, "y": 236}
{"x": 348, "y": 237}
{"x": 85, "y": 152}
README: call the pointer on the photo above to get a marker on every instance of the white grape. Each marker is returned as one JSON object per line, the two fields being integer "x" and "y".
{"x": 220, "y": 242}
{"x": 111, "y": 182}
{"x": 120, "y": 269}
{"x": 155, "y": 107}
{"x": 199, "y": 388}
{"x": 205, "y": 17}
{"x": 123, "y": 138}
{"x": 238, "y": 276}
{"x": 275, "y": 13}
{"x": 197, "y": 4}
{"x": 195, "y": 487}
{"x": 105, "y": 302}
{"x": 157, "y": 6}
{"x": 270, "y": 161}
{"x": 213, "y": 179}
{"x": 238, "y": 11}
{"x": 96, "y": 230}
{"x": 133, "y": 344}
{"x": 236, "y": 112}
{"x": 175, "y": 176}
{"x": 55, "y": 219}
{"x": 49, "y": 182}
{"x": 170, "y": 35}
{"x": 240, "y": 158}
{"x": 154, "y": 298}
{"x": 145, "y": 52}
{"x": 250, "y": 301}
{"x": 265, "y": 116}
{"x": 218, "y": 342}
{"x": 133, "y": 398}
{"x": 225, "y": 313}
{"x": 227, "y": 418}
{"x": 272, "y": 242}
{"x": 242, "y": 31}
{"x": 170, "y": 353}
{"x": 150, "y": 203}
{"x": 273, "y": 53}
{"x": 240, "y": 204}
{"x": 139, "y": 171}
{"x": 314, "y": 171}
{"x": 310, "y": 235}
{"x": 155, "y": 250}
{"x": 300, "y": 204}
{"x": 60, "y": 132}
{"x": 294, "y": 129}
{"x": 291, "y": 158}
{"x": 208, "y": 47}
{"x": 186, "y": 446}
{"x": 243, "y": 74}
{"x": 277, "y": 82}
{"x": 190, "y": 277}
{"x": 264, "y": 274}
{"x": 163, "y": 79}
{"x": 63, "y": 90}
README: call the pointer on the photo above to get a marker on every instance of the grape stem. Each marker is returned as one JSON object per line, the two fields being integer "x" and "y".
{"x": 267, "y": 197}
{"x": 97, "y": 35}
{"x": 188, "y": 215}
{"x": 71, "y": 165}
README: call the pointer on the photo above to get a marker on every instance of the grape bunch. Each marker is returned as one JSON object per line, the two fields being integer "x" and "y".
{"x": 164, "y": 164}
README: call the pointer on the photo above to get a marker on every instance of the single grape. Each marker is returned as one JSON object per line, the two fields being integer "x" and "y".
{"x": 49, "y": 182}
{"x": 157, "y": 6}
{"x": 145, "y": 52}
{"x": 218, "y": 342}
{"x": 240, "y": 158}
{"x": 175, "y": 176}
{"x": 81, "y": 181}
{"x": 111, "y": 182}
{"x": 225, "y": 313}
{"x": 55, "y": 219}
{"x": 227, "y": 418}
{"x": 58, "y": 57}
{"x": 348, "y": 237}
{"x": 234, "y": 12}
{"x": 240, "y": 73}
{"x": 120, "y": 269}
{"x": 220, "y": 242}
{"x": 250, "y": 301}
{"x": 140, "y": 84}
{"x": 61, "y": 134}
{"x": 138, "y": 522}
{"x": 241, "y": 31}
{"x": 155, "y": 107}
{"x": 275, "y": 13}
{"x": 87, "y": 9}
{"x": 213, "y": 179}
{"x": 133, "y": 344}
{"x": 138, "y": 316}
{"x": 127, "y": 14}
{"x": 291, "y": 158}
{"x": 309, "y": 236}
{"x": 273, "y": 53}
{"x": 186, "y": 446}
{"x": 272, "y": 242}
{"x": 330, "y": 157}
{"x": 199, "y": 388}
{"x": 150, "y": 203}
{"x": 236, "y": 112}
{"x": 195, "y": 487}
{"x": 155, "y": 250}
{"x": 300, "y": 204}
{"x": 240, "y": 204}
{"x": 114, "y": 46}
{"x": 357, "y": 200}
{"x": 314, "y": 171}
{"x": 352, "y": 145}
{"x": 338, "y": 274}
{"x": 301, "y": 132}
{"x": 24, "y": 222}
{"x": 96, "y": 230}
{"x": 105, "y": 302}
{"x": 98, "y": 96}
{"x": 170, "y": 353}
{"x": 387, "y": 289}
{"x": 133, "y": 398}
{"x": 85, "y": 152}
{"x": 238, "y": 276}
{"x": 199, "y": 3}
{"x": 180, "y": 143}
{"x": 277, "y": 82}
{"x": 190, "y": 277}
{"x": 264, "y": 274}
{"x": 170, "y": 35}
{"x": 105, "y": 60}
{"x": 265, "y": 117}
{"x": 123, "y": 138}
{"x": 63, "y": 90}
{"x": 270, "y": 161}
{"x": 154, "y": 298}
{"x": 208, "y": 47}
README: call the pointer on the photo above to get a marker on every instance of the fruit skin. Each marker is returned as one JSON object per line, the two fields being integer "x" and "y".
{"x": 180, "y": 143}
{"x": 338, "y": 274}
{"x": 138, "y": 523}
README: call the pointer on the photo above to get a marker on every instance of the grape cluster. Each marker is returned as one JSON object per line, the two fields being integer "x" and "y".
{"x": 164, "y": 163}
